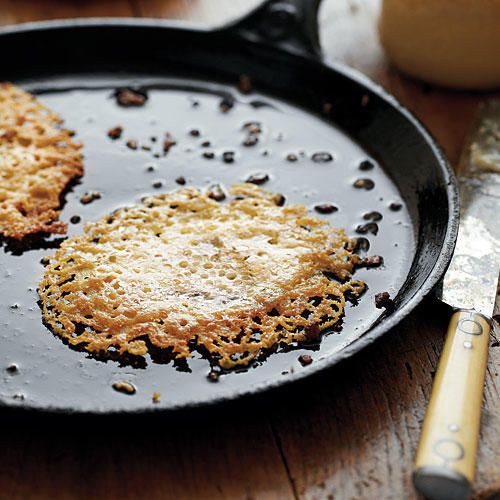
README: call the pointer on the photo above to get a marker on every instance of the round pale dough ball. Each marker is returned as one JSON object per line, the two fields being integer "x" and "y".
{"x": 454, "y": 43}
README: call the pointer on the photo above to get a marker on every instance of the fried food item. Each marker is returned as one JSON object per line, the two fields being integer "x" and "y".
{"x": 38, "y": 159}
{"x": 182, "y": 271}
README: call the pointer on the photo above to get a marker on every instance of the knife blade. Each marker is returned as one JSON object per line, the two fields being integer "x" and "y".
{"x": 446, "y": 456}
{"x": 472, "y": 279}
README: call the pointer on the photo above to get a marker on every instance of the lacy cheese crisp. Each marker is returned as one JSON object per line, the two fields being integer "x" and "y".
{"x": 38, "y": 159}
{"x": 182, "y": 272}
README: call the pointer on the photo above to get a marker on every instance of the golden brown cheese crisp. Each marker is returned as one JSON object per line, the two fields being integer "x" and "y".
{"x": 38, "y": 159}
{"x": 182, "y": 271}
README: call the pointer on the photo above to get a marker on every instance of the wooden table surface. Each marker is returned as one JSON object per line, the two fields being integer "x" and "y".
{"x": 348, "y": 433}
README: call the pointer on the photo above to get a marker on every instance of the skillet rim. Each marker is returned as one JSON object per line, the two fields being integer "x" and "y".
{"x": 430, "y": 283}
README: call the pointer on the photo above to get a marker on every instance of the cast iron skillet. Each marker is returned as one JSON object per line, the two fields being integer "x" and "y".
{"x": 304, "y": 105}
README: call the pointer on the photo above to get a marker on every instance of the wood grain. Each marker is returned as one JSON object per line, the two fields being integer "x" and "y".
{"x": 350, "y": 433}
{"x": 129, "y": 459}
{"x": 355, "y": 437}
{"x": 20, "y": 11}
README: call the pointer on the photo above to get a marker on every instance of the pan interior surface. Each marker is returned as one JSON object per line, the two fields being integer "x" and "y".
{"x": 307, "y": 160}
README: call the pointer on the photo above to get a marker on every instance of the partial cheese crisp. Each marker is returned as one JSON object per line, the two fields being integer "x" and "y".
{"x": 184, "y": 272}
{"x": 38, "y": 159}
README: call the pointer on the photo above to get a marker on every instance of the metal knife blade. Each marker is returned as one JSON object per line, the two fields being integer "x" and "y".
{"x": 472, "y": 279}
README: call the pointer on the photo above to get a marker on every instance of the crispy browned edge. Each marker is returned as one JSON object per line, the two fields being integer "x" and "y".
{"x": 27, "y": 125}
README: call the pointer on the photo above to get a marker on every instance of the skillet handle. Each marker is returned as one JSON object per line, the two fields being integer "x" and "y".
{"x": 291, "y": 25}
{"x": 446, "y": 457}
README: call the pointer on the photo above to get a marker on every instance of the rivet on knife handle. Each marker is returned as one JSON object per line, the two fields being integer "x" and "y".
{"x": 446, "y": 457}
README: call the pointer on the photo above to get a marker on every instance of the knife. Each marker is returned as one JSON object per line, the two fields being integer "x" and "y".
{"x": 446, "y": 456}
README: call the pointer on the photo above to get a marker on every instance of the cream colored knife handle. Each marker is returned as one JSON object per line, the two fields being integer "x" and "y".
{"x": 446, "y": 457}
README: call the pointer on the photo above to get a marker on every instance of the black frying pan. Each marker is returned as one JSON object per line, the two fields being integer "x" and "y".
{"x": 305, "y": 107}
